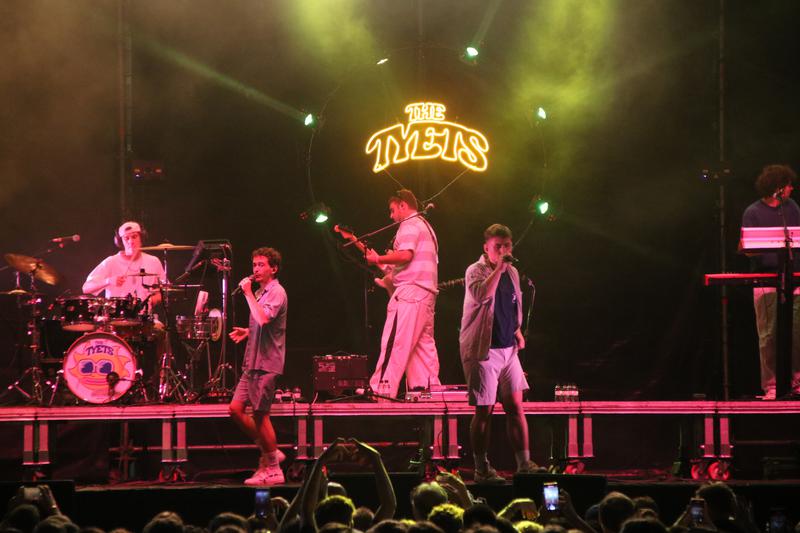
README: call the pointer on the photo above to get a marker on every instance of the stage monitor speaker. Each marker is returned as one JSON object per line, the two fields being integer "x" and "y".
{"x": 585, "y": 490}
{"x": 340, "y": 374}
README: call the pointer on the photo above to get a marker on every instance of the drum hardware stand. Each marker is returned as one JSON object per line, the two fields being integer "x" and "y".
{"x": 55, "y": 386}
{"x": 138, "y": 387}
{"x": 170, "y": 383}
{"x": 214, "y": 385}
{"x": 217, "y": 385}
{"x": 194, "y": 353}
{"x": 32, "y": 332}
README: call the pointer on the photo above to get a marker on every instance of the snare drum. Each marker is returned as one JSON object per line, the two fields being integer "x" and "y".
{"x": 79, "y": 313}
{"x": 123, "y": 311}
{"x": 193, "y": 328}
{"x": 99, "y": 368}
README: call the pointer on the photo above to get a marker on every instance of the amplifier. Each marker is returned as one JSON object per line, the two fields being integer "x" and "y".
{"x": 336, "y": 374}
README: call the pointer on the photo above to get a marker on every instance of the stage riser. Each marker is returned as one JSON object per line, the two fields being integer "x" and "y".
{"x": 76, "y": 442}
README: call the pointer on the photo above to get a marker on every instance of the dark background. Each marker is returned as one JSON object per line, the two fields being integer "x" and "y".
{"x": 631, "y": 89}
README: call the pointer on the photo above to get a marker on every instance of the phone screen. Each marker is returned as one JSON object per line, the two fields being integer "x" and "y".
{"x": 777, "y": 522}
{"x": 261, "y": 506}
{"x": 697, "y": 511}
{"x": 31, "y": 494}
{"x": 550, "y": 490}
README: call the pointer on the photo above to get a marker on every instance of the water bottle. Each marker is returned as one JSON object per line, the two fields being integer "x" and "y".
{"x": 559, "y": 393}
{"x": 384, "y": 390}
{"x": 572, "y": 393}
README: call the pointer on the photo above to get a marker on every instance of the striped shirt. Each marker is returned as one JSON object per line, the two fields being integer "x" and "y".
{"x": 416, "y": 235}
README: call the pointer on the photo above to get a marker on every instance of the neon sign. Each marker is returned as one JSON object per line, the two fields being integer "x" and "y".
{"x": 428, "y": 136}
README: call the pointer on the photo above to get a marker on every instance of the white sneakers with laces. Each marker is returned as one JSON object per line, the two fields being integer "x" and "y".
{"x": 266, "y": 477}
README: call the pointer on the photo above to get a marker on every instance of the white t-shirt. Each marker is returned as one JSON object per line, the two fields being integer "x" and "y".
{"x": 119, "y": 265}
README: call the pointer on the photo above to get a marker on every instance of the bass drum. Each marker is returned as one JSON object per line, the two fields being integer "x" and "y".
{"x": 99, "y": 368}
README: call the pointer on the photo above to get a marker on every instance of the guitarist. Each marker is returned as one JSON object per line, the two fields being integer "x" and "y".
{"x": 407, "y": 344}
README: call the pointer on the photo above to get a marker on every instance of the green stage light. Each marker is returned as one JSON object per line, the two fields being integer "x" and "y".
{"x": 318, "y": 212}
{"x": 542, "y": 207}
{"x": 310, "y": 120}
{"x": 382, "y": 61}
{"x": 471, "y": 52}
{"x": 541, "y": 113}
{"x": 539, "y": 206}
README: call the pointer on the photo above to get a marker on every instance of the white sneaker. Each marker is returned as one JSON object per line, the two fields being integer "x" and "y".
{"x": 266, "y": 477}
{"x": 768, "y": 395}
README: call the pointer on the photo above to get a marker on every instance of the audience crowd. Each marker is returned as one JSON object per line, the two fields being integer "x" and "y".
{"x": 443, "y": 505}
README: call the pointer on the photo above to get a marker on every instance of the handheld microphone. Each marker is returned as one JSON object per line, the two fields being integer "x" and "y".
{"x": 238, "y": 288}
{"x": 778, "y": 195}
{"x": 510, "y": 259}
{"x": 68, "y": 238}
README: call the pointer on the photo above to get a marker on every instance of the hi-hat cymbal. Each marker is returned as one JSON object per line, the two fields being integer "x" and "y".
{"x": 30, "y": 265}
{"x": 168, "y": 247}
{"x": 140, "y": 275}
{"x": 16, "y": 292}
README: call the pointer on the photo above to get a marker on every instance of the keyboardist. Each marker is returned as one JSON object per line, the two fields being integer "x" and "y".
{"x": 774, "y": 208}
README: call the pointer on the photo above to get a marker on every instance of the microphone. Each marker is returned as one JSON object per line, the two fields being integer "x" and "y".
{"x": 779, "y": 193}
{"x": 429, "y": 205}
{"x": 510, "y": 259}
{"x": 238, "y": 288}
{"x": 68, "y": 238}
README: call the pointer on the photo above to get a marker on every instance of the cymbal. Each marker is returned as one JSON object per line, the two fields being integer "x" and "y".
{"x": 16, "y": 292}
{"x": 168, "y": 247}
{"x": 168, "y": 287}
{"x": 140, "y": 274}
{"x": 30, "y": 265}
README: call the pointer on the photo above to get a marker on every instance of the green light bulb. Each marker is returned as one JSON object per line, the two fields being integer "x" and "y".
{"x": 543, "y": 207}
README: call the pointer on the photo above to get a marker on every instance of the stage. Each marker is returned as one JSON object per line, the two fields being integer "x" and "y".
{"x": 436, "y": 426}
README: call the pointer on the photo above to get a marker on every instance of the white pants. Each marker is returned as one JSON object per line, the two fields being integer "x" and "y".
{"x": 765, "y": 302}
{"x": 408, "y": 338}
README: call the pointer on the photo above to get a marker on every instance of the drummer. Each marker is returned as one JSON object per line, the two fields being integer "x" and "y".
{"x": 120, "y": 274}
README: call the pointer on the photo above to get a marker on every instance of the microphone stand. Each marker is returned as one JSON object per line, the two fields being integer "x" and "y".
{"x": 362, "y": 238}
{"x": 784, "y": 323}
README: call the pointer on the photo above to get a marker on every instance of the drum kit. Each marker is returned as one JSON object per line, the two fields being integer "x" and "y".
{"x": 112, "y": 337}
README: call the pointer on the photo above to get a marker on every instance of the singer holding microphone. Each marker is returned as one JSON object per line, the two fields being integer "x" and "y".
{"x": 490, "y": 341}
{"x": 407, "y": 344}
{"x": 264, "y": 357}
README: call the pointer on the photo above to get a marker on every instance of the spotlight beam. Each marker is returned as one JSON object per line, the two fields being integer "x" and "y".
{"x": 223, "y": 80}
{"x": 486, "y": 21}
